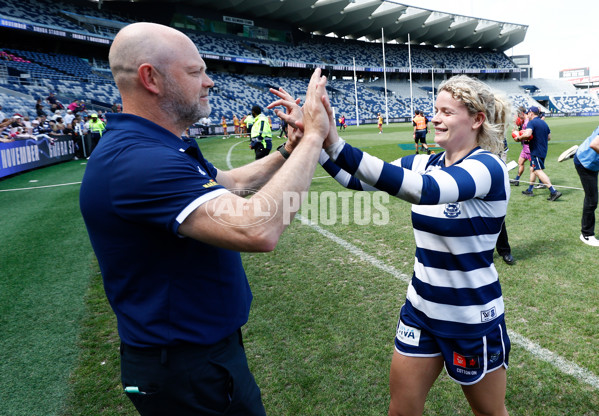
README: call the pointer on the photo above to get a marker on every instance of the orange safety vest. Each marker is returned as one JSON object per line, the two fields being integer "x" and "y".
{"x": 420, "y": 122}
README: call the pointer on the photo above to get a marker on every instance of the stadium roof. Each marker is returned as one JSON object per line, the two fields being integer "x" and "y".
{"x": 356, "y": 19}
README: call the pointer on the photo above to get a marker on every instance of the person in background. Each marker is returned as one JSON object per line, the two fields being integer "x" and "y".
{"x": 74, "y": 106}
{"x": 539, "y": 133}
{"x": 58, "y": 127}
{"x": 380, "y": 122}
{"x": 342, "y": 124}
{"x": 420, "y": 123}
{"x": 521, "y": 123}
{"x": 503, "y": 244}
{"x": 261, "y": 133}
{"x": 96, "y": 127}
{"x": 248, "y": 122}
{"x": 116, "y": 108}
{"x": 586, "y": 162}
{"x": 39, "y": 108}
{"x": 69, "y": 117}
{"x": 223, "y": 123}
{"x": 53, "y": 102}
{"x": 236, "y": 127}
{"x": 168, "y": 246}
{"x": 283, "y": 131}
{"x": 27, "y": 125}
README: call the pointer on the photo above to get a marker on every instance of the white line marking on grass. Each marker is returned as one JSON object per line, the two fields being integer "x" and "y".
{"x": 554, "y": 185}
{"x": 356, "y": 251}
{"x": 536, "y": 350}
{"x": 552, "y": 358}
{"x": 40, "y": 187}
{"x": 229, "y": 164}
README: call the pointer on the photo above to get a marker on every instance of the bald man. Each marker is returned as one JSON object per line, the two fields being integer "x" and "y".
{"x": 167, "y": 227}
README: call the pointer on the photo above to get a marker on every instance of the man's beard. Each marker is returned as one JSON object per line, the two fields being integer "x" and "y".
{"x": 184, "y": 114}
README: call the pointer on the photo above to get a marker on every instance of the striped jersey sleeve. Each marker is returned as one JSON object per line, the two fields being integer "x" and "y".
{"x": 457, "y": 214}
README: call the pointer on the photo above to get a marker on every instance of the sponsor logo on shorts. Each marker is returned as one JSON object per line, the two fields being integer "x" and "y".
{"x": 466, "y": 372}
{"x": 494, "y": 357}
{"x": 466, "y": 361}
{"x": 488, "y": 315}
{"x": 408, "y": 335}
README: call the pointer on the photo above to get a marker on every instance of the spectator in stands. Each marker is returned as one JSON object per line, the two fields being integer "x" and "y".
{"x": 539, "y": 133}
{"x": 69, "y": 131}
{"x": 80, "y": 133}
{"x": 56, "y": 114}
{"x": 44, "y": 125}
{"x": 39, "y": 108}
{"x": 58, "y": 127}
{"x": 168, "y": 251}
{"x": 586, "y": 162}
{"x": 2, "y": 115}
{"x": 420, "y": 123}
{"x": 35, "y": 127}
{"x": 27, "y": 124}
{"x": 17, "y": 122}
{"x": 116, "y": 108}
{"x": 53, "y": 102}
{"x": 69, "y": 117}
{"x": 5, "y": 133}
{"x": 453, "y": 316}
{"x": 40, "y": 133}
{"x": 22, "y": 134}
{"x": 73, "y": 107}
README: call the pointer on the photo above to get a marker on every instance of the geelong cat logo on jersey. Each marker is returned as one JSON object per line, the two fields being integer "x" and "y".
{"x": 452, "y": 210}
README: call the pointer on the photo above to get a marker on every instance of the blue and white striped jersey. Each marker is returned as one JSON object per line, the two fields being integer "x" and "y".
{"x": 457, "y": 214}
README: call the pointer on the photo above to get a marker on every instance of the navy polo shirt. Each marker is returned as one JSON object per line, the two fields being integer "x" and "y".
{"x": 540, "y": 133}
{"x": 140, "y": 184}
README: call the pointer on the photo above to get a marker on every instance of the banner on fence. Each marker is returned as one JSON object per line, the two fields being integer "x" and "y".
{"x": 22, "y": 155}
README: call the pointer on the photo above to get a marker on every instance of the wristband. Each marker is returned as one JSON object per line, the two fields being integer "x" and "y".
{"x": 284, "y": 151}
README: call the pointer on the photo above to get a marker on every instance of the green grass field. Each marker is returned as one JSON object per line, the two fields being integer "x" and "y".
{"x": 326, "y": 300}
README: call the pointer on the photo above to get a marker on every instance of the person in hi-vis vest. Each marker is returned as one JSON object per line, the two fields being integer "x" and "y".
{"x": 261, "y": 134}
{"x": 420, "y": 123}
{"x": 96, "y": 128}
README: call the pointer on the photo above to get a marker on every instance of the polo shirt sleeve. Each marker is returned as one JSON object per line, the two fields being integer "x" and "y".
{"x": 212, "y": 171}
{"x": 161, "y": 186}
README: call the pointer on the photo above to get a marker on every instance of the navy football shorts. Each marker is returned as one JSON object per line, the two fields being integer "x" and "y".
{"x": 466, "y": 360}
{"x": 537, "y": 163}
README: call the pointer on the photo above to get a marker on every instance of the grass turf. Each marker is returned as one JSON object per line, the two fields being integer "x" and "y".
{"x": 319, "y": 338}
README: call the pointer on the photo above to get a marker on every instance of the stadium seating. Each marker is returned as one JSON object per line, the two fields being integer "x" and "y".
{"x": 576, "y": 103}
{"x": 26, "y": 75}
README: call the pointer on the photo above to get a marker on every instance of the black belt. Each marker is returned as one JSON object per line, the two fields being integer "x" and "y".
{"x": 164, "y": 351}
